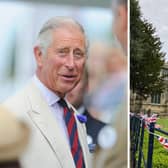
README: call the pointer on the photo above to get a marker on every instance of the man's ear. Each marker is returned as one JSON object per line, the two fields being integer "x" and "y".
{"x": 38, "y": 56}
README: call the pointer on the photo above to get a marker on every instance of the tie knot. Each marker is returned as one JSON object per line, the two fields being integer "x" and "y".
{"x": 62, "y": 103}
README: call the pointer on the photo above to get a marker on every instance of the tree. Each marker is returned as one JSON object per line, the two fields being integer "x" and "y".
{"x": 146, "y": 57}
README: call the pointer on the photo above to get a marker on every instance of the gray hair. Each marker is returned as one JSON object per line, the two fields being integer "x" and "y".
{"x": 44, "y": 38}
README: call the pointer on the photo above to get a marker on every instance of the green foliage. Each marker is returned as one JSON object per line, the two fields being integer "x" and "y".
{"x": 145, "y": 53}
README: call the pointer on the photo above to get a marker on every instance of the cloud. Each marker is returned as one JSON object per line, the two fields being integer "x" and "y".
{"x": 156, "y": 12}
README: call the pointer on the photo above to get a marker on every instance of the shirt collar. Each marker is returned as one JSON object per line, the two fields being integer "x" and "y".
{"x": 49, "y": 95}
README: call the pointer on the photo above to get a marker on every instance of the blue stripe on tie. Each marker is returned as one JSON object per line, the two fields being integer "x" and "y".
{"x": 76, "y": 156}
{"x": 72, "y": 134}
{"x": 67, "y": 116}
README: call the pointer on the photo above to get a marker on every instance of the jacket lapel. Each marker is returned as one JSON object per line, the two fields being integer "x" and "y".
{"x": 43, "y": 118}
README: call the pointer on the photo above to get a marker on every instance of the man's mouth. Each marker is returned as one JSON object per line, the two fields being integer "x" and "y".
{"x": 69, "y": 77}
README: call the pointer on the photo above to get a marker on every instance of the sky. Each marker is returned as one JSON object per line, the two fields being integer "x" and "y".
{"x": 156, "y": 12}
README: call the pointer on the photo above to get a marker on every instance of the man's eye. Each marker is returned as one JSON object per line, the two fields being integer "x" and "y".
{"x": 61, "y": 52}
{"x": 78, "y": 54}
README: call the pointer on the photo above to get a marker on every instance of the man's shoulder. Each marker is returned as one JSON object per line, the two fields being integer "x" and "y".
{"x": 18, "y": 101}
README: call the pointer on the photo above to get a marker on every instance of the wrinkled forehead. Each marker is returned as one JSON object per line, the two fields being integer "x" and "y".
{"x": 46, "y": 33}
{"x": 70, "y": 33}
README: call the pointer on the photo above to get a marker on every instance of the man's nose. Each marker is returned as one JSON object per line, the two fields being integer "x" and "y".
{"x": 70, "y": 62}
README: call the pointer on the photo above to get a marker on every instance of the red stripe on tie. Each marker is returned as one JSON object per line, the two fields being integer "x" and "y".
{"x": 65, "y": 111}
{"x": 70, "y": 125}
{"x": 80, "y": 160}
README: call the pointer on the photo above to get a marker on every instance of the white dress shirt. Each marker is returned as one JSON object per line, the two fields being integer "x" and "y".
{"x": 52, "y": 100}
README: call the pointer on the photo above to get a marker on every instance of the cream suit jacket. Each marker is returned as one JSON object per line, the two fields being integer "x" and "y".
{"x": 48, "y": 147}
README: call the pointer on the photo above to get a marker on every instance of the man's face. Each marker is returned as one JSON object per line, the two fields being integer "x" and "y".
{"x": 62, "y": 66}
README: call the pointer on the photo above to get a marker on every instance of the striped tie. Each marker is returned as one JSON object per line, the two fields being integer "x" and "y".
{"x": 73, "y": 135}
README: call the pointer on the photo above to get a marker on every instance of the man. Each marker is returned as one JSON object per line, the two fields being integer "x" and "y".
{"x": 58, "y": 138}
{"x": 116, "y": 154}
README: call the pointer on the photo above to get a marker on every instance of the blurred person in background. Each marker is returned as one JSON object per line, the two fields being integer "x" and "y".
{"x": 14, "y": 136}
{"x": 112, "y": 151}
{"x": 58, "y": 138}
{"x": 98, "y": 51}
{"x": 113, "y": 83}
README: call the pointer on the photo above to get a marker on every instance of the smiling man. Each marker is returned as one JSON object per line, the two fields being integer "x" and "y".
{"x": 58, "y": 138}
